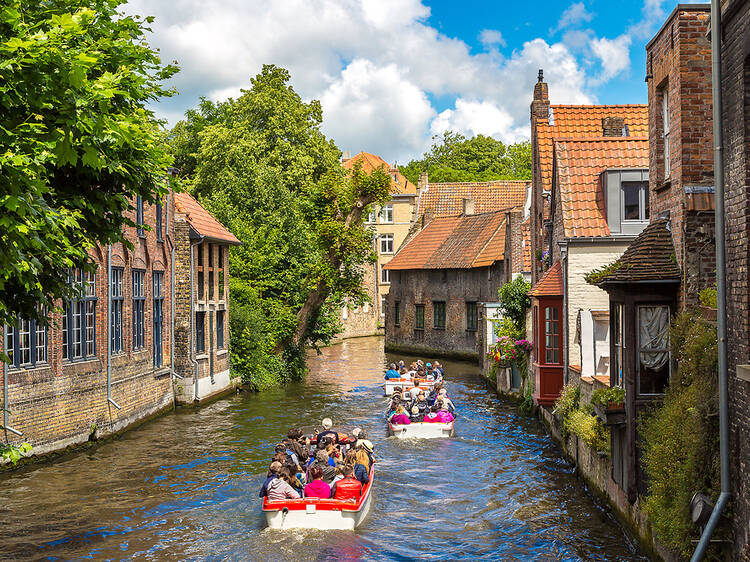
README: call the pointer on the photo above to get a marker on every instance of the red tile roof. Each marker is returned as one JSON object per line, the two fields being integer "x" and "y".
{"x": 399, "y": 184}
{"x": 201, "y": 220}
{"x": 579, "y": 165}
{"x": 551, "y": 284}
{"x": 446, "y": 199}
{"x": 458, "y": 242}
{"x": 583, "y": 121}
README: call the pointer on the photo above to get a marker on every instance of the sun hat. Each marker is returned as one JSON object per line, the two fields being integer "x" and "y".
{"x": 443, "y": 392}
{"x": 367, "y": 445}
{"x": 356, "y": 431}
{"x": 327, "y": 423}
{"x": 415, "y": 410}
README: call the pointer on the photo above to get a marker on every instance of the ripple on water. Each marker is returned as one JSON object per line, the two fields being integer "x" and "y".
{"x": 185, "y": 485}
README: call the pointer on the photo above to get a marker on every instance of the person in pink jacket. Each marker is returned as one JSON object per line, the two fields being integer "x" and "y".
{"x": 400, "y": 417}
{"x": 317, "y": 488}
{"x": 443, "y": 415}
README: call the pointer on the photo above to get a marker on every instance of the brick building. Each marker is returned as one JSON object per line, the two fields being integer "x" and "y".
{"x": 106, "y": 360}
{"x": 440, "y": 278}
{"x": 390, "y": 223}
{"x": 201, "y": 301}
{"x": 736, "y": 128}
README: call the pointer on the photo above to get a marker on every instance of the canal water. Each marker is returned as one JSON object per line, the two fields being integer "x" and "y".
{"x": 185, "y": 486}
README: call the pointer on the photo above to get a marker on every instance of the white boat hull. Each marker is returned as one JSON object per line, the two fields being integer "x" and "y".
{"x": 421, "y": 430}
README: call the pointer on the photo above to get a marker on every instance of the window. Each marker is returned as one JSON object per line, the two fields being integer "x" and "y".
{"x": 371, "y": 216}
{"x": 397, "y": 313}
{"x": 211, "y": 272}
{"x": 665, "y": 130}
{"x": 200, "y": 332}
{"x": 438, "y": 315}
{"x": 139, "y": 216}
{"x": 26, "y": 343}
{"x": 551, "y": 335}
{"x": 219, "y": 329}
{"x": 199, "y": 259}
{"x": 220, "y": 272}
{"x": 386, "y": 214}
{"x": 618, "y": 344}
{"x": 139, "y": 300}
{"x": 79, "y": 318}
{"x": 386, "y": 243}
{"x": 158, "y": 318}
{"x": 653, "y": 349}
{"x": 385, "y": 275}
{"x": 419, "y": 317}
{"x": 634, "y": 200}
{"x": 471, "y": 316}
{"x": 158, "y": 222}
{"x": 382, "y": 305}
{"x": 116, "y": 314}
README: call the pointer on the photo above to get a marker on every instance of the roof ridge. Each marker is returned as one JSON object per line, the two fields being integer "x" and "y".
{"x": 583, "y": 105}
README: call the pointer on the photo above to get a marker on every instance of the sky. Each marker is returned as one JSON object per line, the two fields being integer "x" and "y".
{"x": 391, "y": 74}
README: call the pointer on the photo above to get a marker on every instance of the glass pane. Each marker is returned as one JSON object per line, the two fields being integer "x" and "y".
{"x": 631, "y": 193}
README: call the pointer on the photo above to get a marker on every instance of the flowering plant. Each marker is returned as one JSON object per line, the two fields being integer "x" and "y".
{"x": 508, "y": 350}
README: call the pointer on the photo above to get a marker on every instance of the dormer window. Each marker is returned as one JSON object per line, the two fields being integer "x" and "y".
{"x": 634, "y": 200}
{"x": 626, "y": 200}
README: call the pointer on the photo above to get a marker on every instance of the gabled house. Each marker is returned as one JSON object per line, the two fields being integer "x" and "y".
{"x": 598, "y": 205}
{"x": 390, "y": 224}
{"x": 440, "y": 277}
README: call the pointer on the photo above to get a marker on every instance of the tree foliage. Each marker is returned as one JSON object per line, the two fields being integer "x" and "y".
{"x": 76, "y": 140}
{"x": 454, "y": 158}
{"x": 514, "y": 301}
{"x": 262, "y": 166}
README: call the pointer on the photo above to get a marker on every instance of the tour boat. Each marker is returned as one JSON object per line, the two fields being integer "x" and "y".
{"x": 407, "y": 384}
{"x": 421, "y": 430}
{"x": 318, "y": 513}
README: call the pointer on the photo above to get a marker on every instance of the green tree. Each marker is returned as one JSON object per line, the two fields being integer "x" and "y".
{"x": 454, "y": 158}
{"x": 514, "y": 301}
{"x": 262, "y": 166}
{"x": 77, "y": 143}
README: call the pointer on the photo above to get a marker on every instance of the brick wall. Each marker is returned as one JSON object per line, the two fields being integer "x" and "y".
{"x": 63, "y": 402}
{"x": 454, "y": 287}
{"x": 540, "y": 106}
{"x": 736, "y": 116}
{"x": 679, "y": 62}
{"x": 358, "y": 321}
{"x": 513, "y": 252}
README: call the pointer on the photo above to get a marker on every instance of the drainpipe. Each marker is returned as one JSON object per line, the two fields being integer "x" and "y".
{"x": 564, "y": 262}
{"x": 6, "y": 427}
{"x": 109, "y": 328}
{"x": 721, "y": 298}
{"x": 171, "y": 296}
{"x": 191, "y": 355}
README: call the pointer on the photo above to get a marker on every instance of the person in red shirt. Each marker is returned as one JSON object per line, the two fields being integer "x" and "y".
{"x": 348, "y": 488}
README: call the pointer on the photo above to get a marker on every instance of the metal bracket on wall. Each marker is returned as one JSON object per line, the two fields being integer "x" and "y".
{"x": 115, "y": 404}
{"x": 8, "y": 428}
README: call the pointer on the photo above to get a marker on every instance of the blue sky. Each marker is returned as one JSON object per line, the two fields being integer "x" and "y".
{"x": 390, "y": 74}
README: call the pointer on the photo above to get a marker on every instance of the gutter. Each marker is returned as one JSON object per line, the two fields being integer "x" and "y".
{"x": 191, "y": 355}
{"x": 171, "y": 293}
{"x": 110, "y": 400}
{"x": 721, "y": 297}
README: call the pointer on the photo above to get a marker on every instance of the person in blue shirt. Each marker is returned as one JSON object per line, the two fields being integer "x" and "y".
{"x": 392, "y": 373}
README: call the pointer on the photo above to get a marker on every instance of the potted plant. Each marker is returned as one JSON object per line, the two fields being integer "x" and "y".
{"x": 609, "y": 404}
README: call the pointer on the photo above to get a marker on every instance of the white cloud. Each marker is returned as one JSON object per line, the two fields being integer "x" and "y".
{"x": 491, "y": 38}
{"x": 573, "y": 16}
{"x": 614, "y": 55}
{"x": 376, "y": 65}
{"x": 471, "y": 117}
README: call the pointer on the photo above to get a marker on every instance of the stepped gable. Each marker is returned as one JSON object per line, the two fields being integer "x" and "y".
{"x": 649, "y": 258}
{"x": 446, "y": 199}
{"x": 399, "y": 184}
{"x": 457, "y": 242}
{"x": 579, "y": 165}
{"x": 201, "y": 221}
{"x": 551, "y": 284}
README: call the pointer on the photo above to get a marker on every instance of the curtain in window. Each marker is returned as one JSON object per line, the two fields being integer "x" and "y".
{"x": 654, "y": 336}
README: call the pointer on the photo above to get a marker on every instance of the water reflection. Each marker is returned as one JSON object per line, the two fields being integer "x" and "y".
{"x": 185, "y": 486}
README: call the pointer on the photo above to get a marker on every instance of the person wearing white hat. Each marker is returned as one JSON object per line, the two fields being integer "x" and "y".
{"x": 447, "y": 403}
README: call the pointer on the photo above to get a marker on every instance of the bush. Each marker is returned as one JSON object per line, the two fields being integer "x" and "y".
{"x": 590, "y": 429}
{"x": 681, "y": 436}
{"x": 514, "y": 302}
{"x": 605, "y": 396}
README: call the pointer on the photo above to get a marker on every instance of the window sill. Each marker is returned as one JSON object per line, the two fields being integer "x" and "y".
{"x": 473, "y": 330}
{"x": 419, "y": 329}
{"x": 29, "y": 367}
{"x": 666, "y": 184}
{"x": 82, "y": 360}
{"x": 201, "y": 356}
{"x": 438, "y": 328}
{"x": 222, "y": 352}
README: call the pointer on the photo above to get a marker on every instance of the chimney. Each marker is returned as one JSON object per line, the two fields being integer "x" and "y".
{"x": 346, "y": 156}
{"x": 428, "y": 216}
{"x": 540, "y": 104}
{"x": 468, "y": 206}
{"x": 422, "y": 183}
{"x": 613, "y": 126}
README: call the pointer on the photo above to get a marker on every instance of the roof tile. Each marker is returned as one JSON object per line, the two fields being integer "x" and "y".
{"x": 399, "y": 184}
{"x": 446, "y": 199}
{"x": 201, "y": 220}
{"x": 551, "y": 283}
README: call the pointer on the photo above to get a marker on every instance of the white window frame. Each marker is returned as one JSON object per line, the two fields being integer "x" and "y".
{"x": 371, "y": 216}
{"x": 386, "y": 241}
{"x": 385, "y": 275}
{"x": 383, "y": 304}
{"x": 642, "y": 201}
{"x": 386, "y": 214}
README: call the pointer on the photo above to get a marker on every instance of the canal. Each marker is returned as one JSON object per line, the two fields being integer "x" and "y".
{"x": 185, "y": 486}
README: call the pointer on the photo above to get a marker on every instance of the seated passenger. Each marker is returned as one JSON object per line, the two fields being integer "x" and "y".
{"x": 360, "y": 471}
{"x": 392, "y": 373}
{"x": 447, "y": 403}
{"x": 273, "y": 473}
{"x": 438, "y": 369}
{"x": 327, "y": 431}
{"x": 322, "y": 462}
{"x": 400, "y": 418}
{"x": 280, "y": 489}
{"x": 416, "y": 416}
{"x": 432, "y": 416}
{"x": 317, "y": 488}
{"x": 298, "y": 444}
{"x": 443, "y": 415}
{"x": 421, "y": 402}
{"x": 434, "y": 393}
{"x": 348, "y": 488}
{"x": 404, "y": 374}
